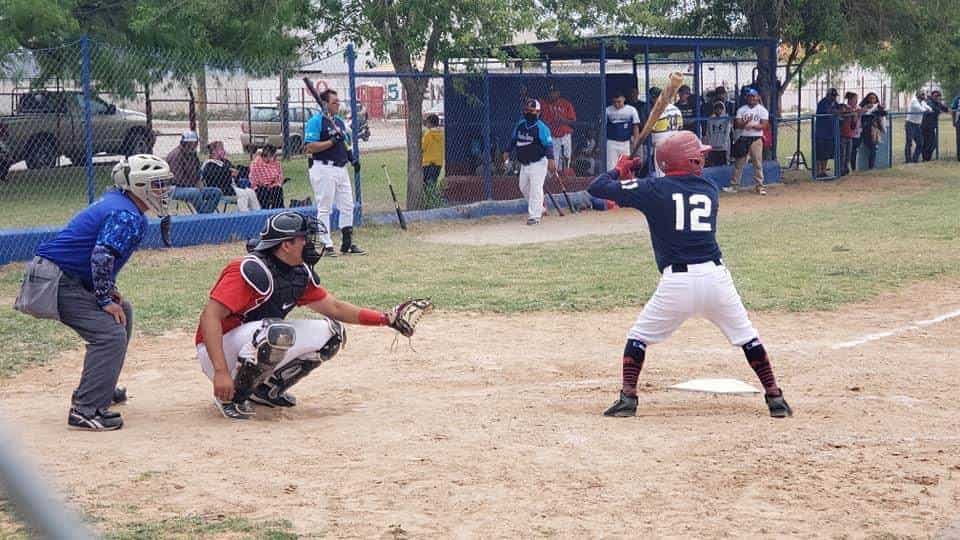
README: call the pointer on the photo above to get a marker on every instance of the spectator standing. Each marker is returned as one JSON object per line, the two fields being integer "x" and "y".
{"x": 871, "y": 125}
{"x": 914, "y": 133}
{"x": 266, "y": 178}
{"x": 560, "y": 115}
{"x": 718, "y": 135}
{"x": 534, "y": 150}
{"x": 850, "y": 129}
{"x": 623, "y": 128}
{"x": 931, "y": 124}
{"x": 720, "y": 94}
{"x": 432, "y": 146}
{"x": 825, "y": 131}
{"x": 669, "y": 123}
{"x": 185, "y": 166}
{"x": 633, "y": 99}
{"x": 687, "y": 104}
{"x": 751, "y": 119}
{"x": 955, "y": 109}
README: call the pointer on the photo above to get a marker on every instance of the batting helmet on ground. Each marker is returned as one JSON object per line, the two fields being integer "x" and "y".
{"x": 681, "y": 154}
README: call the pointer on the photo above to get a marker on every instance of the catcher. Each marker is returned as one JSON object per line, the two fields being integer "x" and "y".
{"x": 247, "y": 349}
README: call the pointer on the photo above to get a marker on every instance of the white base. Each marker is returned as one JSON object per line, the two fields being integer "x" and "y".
{"x": 731, "y": 387}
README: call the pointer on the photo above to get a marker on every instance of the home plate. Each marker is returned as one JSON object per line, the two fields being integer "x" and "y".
{"x": 733, "y": 387}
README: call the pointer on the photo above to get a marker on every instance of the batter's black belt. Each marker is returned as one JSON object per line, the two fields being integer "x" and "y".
{"x": 680, "y": 268}
{"x": 326, "y": 162}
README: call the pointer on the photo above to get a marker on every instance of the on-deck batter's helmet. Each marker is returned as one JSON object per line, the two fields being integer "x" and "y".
{"x": 531, "y": 106}
{"x": 287, "y": 226}
{"x": 681, "y": 154}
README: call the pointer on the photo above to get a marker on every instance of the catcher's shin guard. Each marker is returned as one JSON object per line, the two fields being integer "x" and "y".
{"x": 273, "y": 391}
{"x": 271, "y": 342}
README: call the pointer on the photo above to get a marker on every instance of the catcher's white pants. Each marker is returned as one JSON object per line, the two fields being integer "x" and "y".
{"x": 332, "y": 185}
{"x": 614, "y": 150}
{"x": 564, "y": 148}
{"x": 532, "y": 178}
{"x": 705, "y": 290}
{"x": 311, "y": 336}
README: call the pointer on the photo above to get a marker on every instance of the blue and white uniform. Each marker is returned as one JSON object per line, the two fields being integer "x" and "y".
{"x": 620, "y": 124}
{"x": 534, "y": 147}
{"x": 328, "y": 174}
{"x": 681, "y": 213}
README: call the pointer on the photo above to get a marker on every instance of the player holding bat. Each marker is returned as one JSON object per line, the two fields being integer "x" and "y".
{"x": 326, "y": 140}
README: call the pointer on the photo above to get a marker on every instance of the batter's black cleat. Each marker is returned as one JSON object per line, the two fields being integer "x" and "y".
{"x": 262, "y": 396}
{"x": 353, "y": 249}
{"x": 778, "y": 406}
{"x": 234, "y": 410}
{"x": 99, "y": 421}
{"x": 120, "y": 394}
{"x": 625, "y": 406}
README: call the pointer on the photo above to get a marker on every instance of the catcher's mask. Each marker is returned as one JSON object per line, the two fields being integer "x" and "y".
{"x": 148, "y": 178}
{"x": 287, "y": 226}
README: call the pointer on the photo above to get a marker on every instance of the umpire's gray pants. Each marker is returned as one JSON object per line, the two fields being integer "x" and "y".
{"x": 106, "y": 344}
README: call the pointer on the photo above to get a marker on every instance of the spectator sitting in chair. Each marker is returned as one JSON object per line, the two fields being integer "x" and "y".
{"x": 266, "y": 177}
{"x": 220, "y": 173}
{"x": 185, "y": 166}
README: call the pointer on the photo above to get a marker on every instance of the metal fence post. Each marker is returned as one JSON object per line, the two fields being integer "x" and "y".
{"x": 284, "y": 113}
{"x": 87, "y": 119}
{"x": 354, "y": 128}
{"x": 487, "y": 173}
{"x": 603, "y": 103}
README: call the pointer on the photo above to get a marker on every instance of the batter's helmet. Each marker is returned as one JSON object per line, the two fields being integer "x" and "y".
{"x": 681, "y": 154}
{"x": 531, "y": 105}
{"x": 287, "y": 226}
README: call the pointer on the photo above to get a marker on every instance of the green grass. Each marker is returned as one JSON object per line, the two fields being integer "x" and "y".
{"x": 33, "y": 198}
{"x": 795, "y": 260}
{"x": 199, "y": 527}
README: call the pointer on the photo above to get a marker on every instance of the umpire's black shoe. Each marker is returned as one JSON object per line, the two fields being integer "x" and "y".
{"x": 625, "y": 406}
{"x": 262, "y": 396}
{"x": 778, "y": 406}
{"x": 99, "y": 421}
{"x": 352, "y": 249}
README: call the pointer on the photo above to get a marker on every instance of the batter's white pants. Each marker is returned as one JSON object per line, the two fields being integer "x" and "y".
{"x": 704, "y": 290}
{"x": 564, "y": 148}
{"x": 532, "y": 178}
{"x": 311, "y": 336}
{"x": 614, "y": 150}
{"x": 332, "y": 185}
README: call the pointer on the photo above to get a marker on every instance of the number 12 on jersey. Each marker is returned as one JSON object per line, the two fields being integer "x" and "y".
{"x": 699, "y": 208}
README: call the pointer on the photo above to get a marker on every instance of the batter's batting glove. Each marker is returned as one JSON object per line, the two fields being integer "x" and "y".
{"x": 625, "y": 167}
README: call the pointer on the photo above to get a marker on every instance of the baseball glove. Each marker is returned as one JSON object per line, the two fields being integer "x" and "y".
{"x": 405, "y": 316}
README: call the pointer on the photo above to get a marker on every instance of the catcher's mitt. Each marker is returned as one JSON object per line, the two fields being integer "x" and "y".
{"x": 405, "y": 316}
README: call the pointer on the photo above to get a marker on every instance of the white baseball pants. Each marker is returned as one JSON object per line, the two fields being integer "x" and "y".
{"x": 704, "y": 290}
{"x": 614, "y": 150}
{"x": 564, "y": 149}
{"x": 532, "y": 178}
{"x": 332, "y": 185}
{"x": 311, "y": 336}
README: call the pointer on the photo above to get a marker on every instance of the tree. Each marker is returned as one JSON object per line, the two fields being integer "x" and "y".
{"x": 416, "y": 36}
{"x": 927, "y": 47}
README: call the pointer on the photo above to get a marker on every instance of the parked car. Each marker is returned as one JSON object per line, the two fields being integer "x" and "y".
{"x": 265, "y": 127}
{"x": 49, "y": 124}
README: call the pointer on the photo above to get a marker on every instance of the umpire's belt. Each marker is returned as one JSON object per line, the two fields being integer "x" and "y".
{"x": 680, "y": 268}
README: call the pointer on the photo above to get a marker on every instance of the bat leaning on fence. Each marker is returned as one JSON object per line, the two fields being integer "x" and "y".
{"x": 554, "y": 201}
{"x": 666, "y": 97}
{"x": 393, "y": 195}
{"x": 563, "y": 188}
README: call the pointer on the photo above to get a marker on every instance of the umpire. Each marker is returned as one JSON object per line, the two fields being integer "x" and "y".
{"x": 73, "y": 277}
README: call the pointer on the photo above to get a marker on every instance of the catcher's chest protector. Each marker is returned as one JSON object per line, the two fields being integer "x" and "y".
{"x": 280, "y": 285}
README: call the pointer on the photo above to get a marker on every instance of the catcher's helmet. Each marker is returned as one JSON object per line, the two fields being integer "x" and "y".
{"x": 148, "y": 178}
{"x": 287, "y": 226}
{"x": 681, "y": 154}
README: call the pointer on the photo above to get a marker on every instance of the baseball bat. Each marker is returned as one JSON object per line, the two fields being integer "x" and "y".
{"x": 393, "y": 195}
{"x": 665, "y": 98}
{"x": 554, "y": 201}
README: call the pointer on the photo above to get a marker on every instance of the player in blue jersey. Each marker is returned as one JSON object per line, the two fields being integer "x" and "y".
{"x": 681, "y": 211}
{"x": 82, "y": 263}
{"x": 534, "y": 150}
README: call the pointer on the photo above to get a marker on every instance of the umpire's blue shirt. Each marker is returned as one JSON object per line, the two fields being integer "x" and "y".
{"x": 318, "y": 129}
{"x": 532, "y": 141}
{"x": 681, "y": 212}
{"x": 114, "y": 222}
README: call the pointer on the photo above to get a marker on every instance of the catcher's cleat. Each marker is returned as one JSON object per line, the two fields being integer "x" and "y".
{"x": 625, "y": 406}
{"x": 353, "y": 249}
{"x": 778, "y": 406}
{"x": 233, "y": 410}
{"x": 99, "y": 421}
{"x": 120, "y": 394}
{"x": 261, "y": 396}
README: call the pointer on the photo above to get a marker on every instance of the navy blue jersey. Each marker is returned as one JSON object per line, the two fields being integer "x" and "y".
{"x": 532, "y": 141}
{"x": 318, "y": 129}
{"x": 681, "y": 212}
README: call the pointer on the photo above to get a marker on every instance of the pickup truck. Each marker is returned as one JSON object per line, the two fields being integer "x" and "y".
{"x": 48, "y": 124}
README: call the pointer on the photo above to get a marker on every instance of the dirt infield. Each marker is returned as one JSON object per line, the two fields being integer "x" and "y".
{"x": 473, "y": 437}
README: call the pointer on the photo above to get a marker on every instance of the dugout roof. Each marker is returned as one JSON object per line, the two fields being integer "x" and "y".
{"x": 627, "y": 46}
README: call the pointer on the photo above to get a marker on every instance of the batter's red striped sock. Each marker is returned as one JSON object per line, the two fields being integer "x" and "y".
{"x": 757, "y": 358}
{"x": 633, "y": 355}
